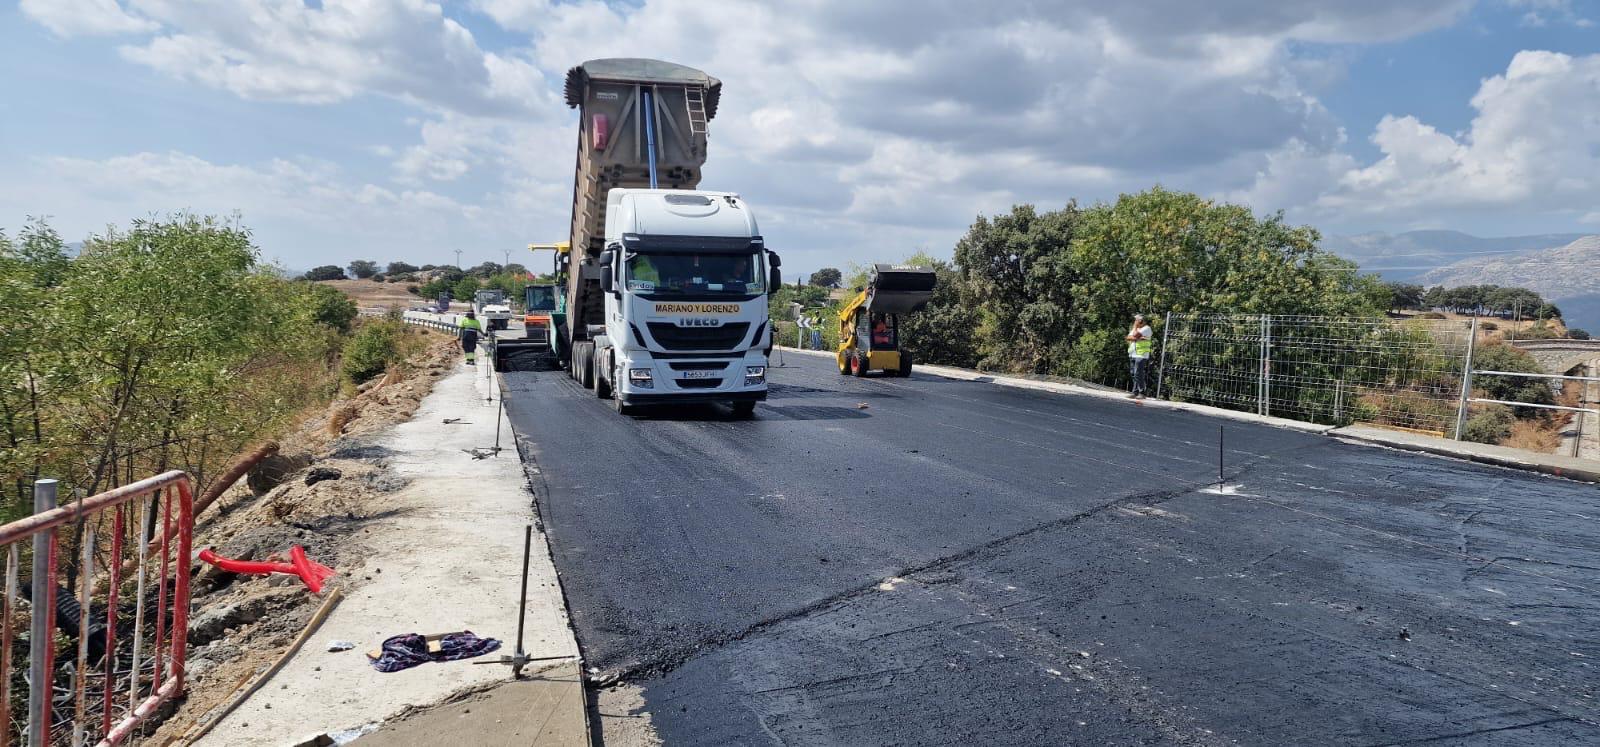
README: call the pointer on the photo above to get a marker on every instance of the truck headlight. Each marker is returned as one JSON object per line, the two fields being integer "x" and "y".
{"x": 755, "y": 375}
{"x": 641, "y": 378}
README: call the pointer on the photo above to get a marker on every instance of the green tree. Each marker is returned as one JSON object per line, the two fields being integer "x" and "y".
{"x": 463, "y": 289}
{"x": 325, "y": 272}
{"x": 1018, "y": 273}
{"x": 397, "y": 268}
{"x": 363, "y": 268}
{"x": 1547, "y": 311}
{"x": 827, "y": 277}
{"x": 332, "y": 308}
{"x": 946, "y": 330}
{"x": 1405, "y": 295}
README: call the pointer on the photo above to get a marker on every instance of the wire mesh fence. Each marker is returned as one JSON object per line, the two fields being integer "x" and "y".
{"x": 1403, "y": 373}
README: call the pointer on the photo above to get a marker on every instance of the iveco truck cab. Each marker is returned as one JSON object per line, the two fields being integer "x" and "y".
{"x": 685, "y": 278}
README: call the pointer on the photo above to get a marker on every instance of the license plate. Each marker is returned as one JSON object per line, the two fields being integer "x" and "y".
{"x": 701, "y": 374}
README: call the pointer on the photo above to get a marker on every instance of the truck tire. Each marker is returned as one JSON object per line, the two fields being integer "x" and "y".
{"x": 905, "y": 365}
{"x": 621, "y": 407}
{"x": 602, "y": 387}
{"x": 744, "y": 409}
{"x": 583, "y": 361}
{"x": 574, "y": 363}
{"x": 844, "y": 364}
{"x": 858, "y": 365}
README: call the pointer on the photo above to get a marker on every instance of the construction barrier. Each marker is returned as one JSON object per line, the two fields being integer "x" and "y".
{"x": 444, "y": 322}
{"x": 123, "y": 651}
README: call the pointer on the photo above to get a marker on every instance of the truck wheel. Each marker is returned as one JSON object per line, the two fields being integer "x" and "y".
{"x": 844, "y": 364}
{"x": 602, "y": 388}
{"x": 858, "y": 364}
{"x": 574, "y": 363}
{"x": 905, "y": 365}
{"x": 621, "y": 407}
{"x": 744, "y": 409}
{"x": 583, "y": 358}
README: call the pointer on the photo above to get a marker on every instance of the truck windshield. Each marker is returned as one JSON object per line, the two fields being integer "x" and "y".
{"x": 711, "y": 274}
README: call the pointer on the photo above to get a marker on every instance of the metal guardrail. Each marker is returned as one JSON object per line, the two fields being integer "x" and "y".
{"x": 115, "y": 683}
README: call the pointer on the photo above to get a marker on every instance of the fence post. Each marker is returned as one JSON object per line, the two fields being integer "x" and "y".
{"x": 1466, "y": 379}
{"x": 1161, "y": 368}
{"x": 1264, "y": 387}
{"x": 41, "y": 680}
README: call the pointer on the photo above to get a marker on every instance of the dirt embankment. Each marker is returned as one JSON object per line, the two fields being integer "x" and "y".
{"x": 370, "y": 294}
{"x": 325, "y": 486}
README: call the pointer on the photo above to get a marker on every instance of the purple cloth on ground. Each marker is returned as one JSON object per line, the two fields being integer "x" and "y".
{"x": 408, "y": 650}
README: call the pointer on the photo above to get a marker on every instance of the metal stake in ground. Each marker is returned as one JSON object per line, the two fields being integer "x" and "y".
{"x": 1219, "y": 458}
{"x": 521, "y": 659}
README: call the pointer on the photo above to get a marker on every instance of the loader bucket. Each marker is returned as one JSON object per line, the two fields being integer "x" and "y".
{"x": 899, "y": 289}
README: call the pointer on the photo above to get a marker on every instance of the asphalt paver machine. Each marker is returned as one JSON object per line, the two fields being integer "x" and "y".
{"x": 869, "y": 325}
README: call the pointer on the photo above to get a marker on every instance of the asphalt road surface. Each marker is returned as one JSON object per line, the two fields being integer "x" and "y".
{"x": 928, "y": 561}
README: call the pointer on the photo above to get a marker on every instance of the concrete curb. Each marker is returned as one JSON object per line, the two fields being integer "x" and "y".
{"x": 1549, "y": 464}
{"x": 1571, "y": 468}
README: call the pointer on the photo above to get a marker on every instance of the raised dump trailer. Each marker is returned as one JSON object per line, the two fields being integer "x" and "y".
{"x": 666, "y": 287}
{"x": 869, "y": 325}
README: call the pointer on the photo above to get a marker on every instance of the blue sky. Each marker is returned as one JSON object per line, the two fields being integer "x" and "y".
{"x": 403, "y": 129}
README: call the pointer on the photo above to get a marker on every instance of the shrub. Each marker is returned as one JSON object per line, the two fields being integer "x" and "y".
{"x": 332, "y": 308}
{"x": 1490, "y": 326}
{"x": 1575, "y": 333}
{"x": 1431, "y": 315}
{"x": 371, "y": 349}
{"x": 1490, "y": 426}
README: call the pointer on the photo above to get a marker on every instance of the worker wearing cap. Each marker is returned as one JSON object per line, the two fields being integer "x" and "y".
{"x": 1140, "y": 340}
{"x": 470, "y": 329}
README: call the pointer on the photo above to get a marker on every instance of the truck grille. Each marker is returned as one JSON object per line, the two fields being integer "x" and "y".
{"x": 673, "y": 337}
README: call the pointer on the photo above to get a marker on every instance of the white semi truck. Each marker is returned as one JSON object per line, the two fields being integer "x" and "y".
{"x": 666, "y": 286}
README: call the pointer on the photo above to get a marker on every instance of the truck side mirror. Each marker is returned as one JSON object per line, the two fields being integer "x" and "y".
{"x": 776, "y": 281}
{"x": 608, "y": 279}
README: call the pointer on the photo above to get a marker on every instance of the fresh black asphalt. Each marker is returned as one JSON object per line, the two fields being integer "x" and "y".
{"x": 929, "y": 561}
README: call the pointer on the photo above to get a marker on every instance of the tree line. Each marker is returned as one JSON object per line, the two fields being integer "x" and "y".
{"x": 165, "y": 345}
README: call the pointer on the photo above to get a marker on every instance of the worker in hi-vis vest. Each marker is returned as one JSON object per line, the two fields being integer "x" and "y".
{"x": 470, "y": 329}
{"x": 1140, "y": 341}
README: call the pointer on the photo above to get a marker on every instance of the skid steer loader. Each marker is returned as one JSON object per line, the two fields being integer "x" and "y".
{"x": 869, "y": 325}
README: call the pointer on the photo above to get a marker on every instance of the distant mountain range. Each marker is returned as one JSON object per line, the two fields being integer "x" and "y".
{"x": 1410, "y": 255}
{"x": 1564, "y": 268}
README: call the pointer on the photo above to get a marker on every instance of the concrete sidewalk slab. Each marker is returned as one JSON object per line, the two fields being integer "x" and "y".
{"x": 447, "y": 558}
{"x": 546, "y": 709}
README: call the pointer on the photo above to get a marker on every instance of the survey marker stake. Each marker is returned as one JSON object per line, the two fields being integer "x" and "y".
{"x": 522, "y": 659}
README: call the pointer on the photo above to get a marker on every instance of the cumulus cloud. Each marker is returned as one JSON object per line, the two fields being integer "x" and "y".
{"x": 1533, "y": 147}
{"x": 876, "y": 129}
{"x": 290, "y": 51}
{"x": 67, "y": 18}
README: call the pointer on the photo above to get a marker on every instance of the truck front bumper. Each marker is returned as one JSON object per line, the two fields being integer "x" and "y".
{"x": 681, "y": 398}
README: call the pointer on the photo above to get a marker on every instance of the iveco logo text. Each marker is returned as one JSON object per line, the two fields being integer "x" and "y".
{"x": 701, "y": 322}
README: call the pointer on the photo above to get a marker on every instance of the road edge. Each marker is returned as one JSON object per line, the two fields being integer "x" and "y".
{"x": 1502, "y": 456}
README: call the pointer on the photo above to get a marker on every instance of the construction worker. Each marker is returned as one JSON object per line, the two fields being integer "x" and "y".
{"x": 1140, "y": 340}
{"x": 469, "y": 330}
{"x": 880, "y": 332}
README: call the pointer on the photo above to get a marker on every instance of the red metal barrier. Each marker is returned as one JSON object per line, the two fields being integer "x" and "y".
{"x": 119, "y": 716}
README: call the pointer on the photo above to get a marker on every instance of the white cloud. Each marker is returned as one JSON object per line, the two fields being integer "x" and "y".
{"x": 85, "y": 17}
{"x": 288, "y": 51}
{"x": 299, "y": 209}
{"x": 1541, "y": 13}
{"x": 1532, "y": 148}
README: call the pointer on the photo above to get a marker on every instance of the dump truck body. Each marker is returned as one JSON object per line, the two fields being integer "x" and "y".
{"x": 616, "y": 99}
